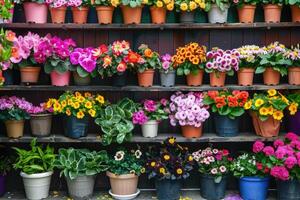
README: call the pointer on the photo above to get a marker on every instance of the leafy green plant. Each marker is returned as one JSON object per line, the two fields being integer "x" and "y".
{"x": 292, "y": 2}
{"x": 6, "y": 163}
{"x": 132, "y": 3}
{"x": 222, "y": 4}
{"x": 80, "y": 162}
{"x": 151, "y": 59}
{"x": 6, "y": 8}
{"x": 278, "y": 2}
{"x": 241, "y": 3}
{"x": 36, "y": 160}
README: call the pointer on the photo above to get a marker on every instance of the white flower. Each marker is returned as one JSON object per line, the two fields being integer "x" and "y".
{"x": 211, "y": 159}
{"x": 215, "y": 151}
{"x": 119, "y": 155}
{"x": 214, "y": 171}
{"x": 223, "y": 169}
{"x": 138, "y": 154}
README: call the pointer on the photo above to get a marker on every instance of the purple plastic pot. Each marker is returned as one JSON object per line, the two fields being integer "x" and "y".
{"x": 294, "y": 123}
{"x": 2, "y": 185}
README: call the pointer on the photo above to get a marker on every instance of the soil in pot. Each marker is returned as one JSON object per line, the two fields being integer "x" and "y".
{"x": 195, "y": 79}
{"x": 226, "y": 127}
{"x": 30, "y": 74}
{"x": 212, "y": 190}
{"x": 191, "y": 131}
{"x": 167, "y": 79}
{"x": 80, "y": 15}
{"x": 158, "y": 15}
{"x": 267, "y": 128}
{"x": 271, "y": 76}
{"x": 294, "y": 75}
{"x": 150, "y": 129}
{"x": 288, "y": 190}
{"x": 295, "y": 13}
{"x": 216, "y": 15}
{"x": 35, "y": 12}
{"x": 2, "y": 185}
{"x": 249, "y": 184}
{"x": 123, "y": 184}
{"x": 245, "y": 76}
{"x": 14, "y": 128}
{"x": 187, "y": 17}
{"x": 272, "y": 13}
{"x": 41, "y": 124}
{"x": 246, "y": 13}
{"x": 145, "y": 78}
{"x": 75, "y": 128}
{"x": 58, "y": 15}
{"x": 58, "y": 79}
{"x": 105, "y": 14}
{"x": 82, "y": 81}
{"x": 131, "y": 15}
{"x": 168, "y": 189}
{"x": 81, "y": 187}
{"x": 217, "y": 79}
{"x": 119, "y": 79}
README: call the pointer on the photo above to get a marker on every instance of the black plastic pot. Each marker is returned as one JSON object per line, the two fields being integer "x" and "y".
{"x": 8, "y": 75}
{"x": 211, "y": 190}
{"x": 226, "y": 127}
{"x": 75, "y": 128}
{"x": 119, "y": 79}
{"x": 168, "y": 189}
{"x": 288, "y": 190}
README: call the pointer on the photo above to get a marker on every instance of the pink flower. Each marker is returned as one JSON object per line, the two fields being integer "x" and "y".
{"x": 150, "y": 106}
{"x": 223, "y": 169}
{"x": 291, "y": 136}
{"x": 214, "y": 171}
{"x": 139, "y": 118}
{"x": 268, "y": 150}
{"x": 258, "y": 146}
{"x": 121, "y": 67}
{"x": 278, "y": 142}
{"x": 280, "y": 153}
{"x": 280, "y": 172}
{"x": 290, "y": 162}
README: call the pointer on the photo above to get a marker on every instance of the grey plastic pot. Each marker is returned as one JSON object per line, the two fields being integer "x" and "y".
{"x": 167, "y": 79}
{"x": 288, "y": 190}
{"x": 216, "y": 15}
{"x": 187, "y": 17}
{"x": 41, "y": 124}
{"x": 81, "y": 81}
{"x": 81, "y": 187}
{"x": 211, "y": 190}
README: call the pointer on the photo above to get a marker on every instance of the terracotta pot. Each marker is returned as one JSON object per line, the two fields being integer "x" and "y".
{"x": 58, "y": 15}
{"x": 295, "y": 13}
{"x": 35, "y": 12}
{"x": 271, "y": 76}
{"x": 245, "y": 76}
{"x": 268, "y": 128}
{"x": 14, "y": 128}
{"x": 30, "y": 74}
{"x": 158, "y": 15}
{"x": 195, "y": 80}
{"x": 41, "y": 124}
{"x": 247, "y": 13}
{"x": 105, "y": 14}
{"x": 145, "y": 78}
{"x": 80, "y": 15}
{"x": 217, "y": 79}
{"x": 58, "y": 79}
{"x": 294, "y": 75}
{"x": 132, "y": 15}
{"x": 123, "y": 184}
{"x": 191, "y": 131}
{"x": 272, "y": 13}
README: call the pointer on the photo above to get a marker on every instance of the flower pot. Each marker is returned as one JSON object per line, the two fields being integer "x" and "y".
{"x": 217, "y": 79}
{"x": 245, "y": 76}
{"x": 191, "y": 131}
{"x": 216, "y": 15}
{"x": 58, "y": 79}
{"x": 119, "y": 79}
{"x": 2, "y": 185}
{"x": 75, "y": 128}
{"x": 248, "y": 185}
{"x": 37, "y": 185}
{"x": 132, "y": 15}
{"x": 167, "y": 189}
{"x": 288, "y": 190}
{"x": 58, "y": 15}
{"x": 35, "y": 12}
{"x": 78, "y": 80}
{"x": 294, "y": 75}
{"x": 14, "y": 128}
{"x": 105, "y": 14}
{"x": 123, "y": 184}
{"x": 267, "y": 128}
{"x": 167, "y": 79}
{"x": 246, "y": 13}
{"x": 187, "y": 17}
{"x": 158, "y": 15}
{"x": 150, "y": 129}
{"x": 8, "y": 76}
{"x": 41, "y": 124}
{"x": 211, "y": 190}
{"x": 30, "y": 74}
{"x": 195, "y": 79}
{"x": 294, "y": 123}
{"x": 81, "y": 187}
{"x": 295, "y": 13}
{"x": 145, "y": 78}
{"x": 80, "y": 15}
{"x": 272, "y": 13}
{"x": 271, "y": 76}
{"x": 226, "y": 127}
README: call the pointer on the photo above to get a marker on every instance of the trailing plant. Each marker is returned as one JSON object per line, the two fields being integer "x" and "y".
{"x": 148, "y": 59}
{"x": 222, "y": 4}
{"x": 14, "y": 108}
{"x": 249, "y": 56}
{"x": 189, "y": 5}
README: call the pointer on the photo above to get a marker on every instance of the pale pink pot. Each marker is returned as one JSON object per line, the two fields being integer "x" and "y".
{"x": 35, "y": 13}
{"x": 58, "y": 79}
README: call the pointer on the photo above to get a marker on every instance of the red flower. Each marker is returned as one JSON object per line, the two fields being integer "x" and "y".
{"x": 212, "y": 94}
{"x": 225, "y": 152}
{"x": 267, "y": 170}
{"x": 103, "y": 48}
{"x": 133, "y": 57}
{"x": 259, "y": 166}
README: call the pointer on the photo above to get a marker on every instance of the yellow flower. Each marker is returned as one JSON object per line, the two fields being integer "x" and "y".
{"x": 166, "y": 1}
{"x": 166, "y": 157}
{"x": 162, "y": 170}
{"x": 272, "y": 92}
{"x": 278, "y": 115}
{"x": 202, "y": 5}
{"x": 153, "y": 164}
{"x": 145, "y": 1}
{"x": 92, "y": 112}
{"x": 248, "y": 105}
{"x": 270, "y": 110}
{"x": 284, "y": 99}
{"x": 172, "y": 140}
{"x": 263, "y": 111}
{"x": 88, "y": 105}
{"x": 68, "y": 112}
{"x": 198, "y": 1}
{"x": 49, "y": 104}
{"x": 115, "y": 3}
{"x": 100, "y": 99}
{"x": 190, "y": 158}
{"x": 159, "y": 4}
{"x": 192, "y": 5}
{"x": 70, "y": 102}
{"x": 259, "y": 102}
{"x": 183, "y": 7}
{"x": 80, "y": 99}
{"x": 56, "y": 107}
{"x": 76, "y": 105}
{"x": 80, "y": 115}
{"x": 143, "y": 170}
{"x": 179, "y": 171}
{"x": 293, "y": 108}
{"x": 77, "y": 94}
{"x": 170, "y": 6}
{"x": 63, "y": 103}
{"x": 87, "y": 94}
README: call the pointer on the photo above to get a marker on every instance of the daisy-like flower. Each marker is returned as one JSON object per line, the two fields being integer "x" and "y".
{"x": 119, "y": 155}
{"x": 223, "y": 169}
{"x": 138, "y": 154}
{"x": 214, "y": 171}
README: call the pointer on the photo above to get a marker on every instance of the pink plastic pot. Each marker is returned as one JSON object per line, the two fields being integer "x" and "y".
{"x": 35, "y": 12}
{"x": 58, "y": 79}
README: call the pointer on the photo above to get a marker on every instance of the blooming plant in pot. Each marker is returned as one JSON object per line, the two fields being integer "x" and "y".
{"x": 58, "y": 9}
{"x": 189, "y": 111}
{"x": 6, "y": 163}
{"x": 36, "y": 165}
{"x": 80, "y": 167}
{"x": 187, "y": 9}
{"x": 219, "y": 63}
{"x": 294, "y": 117}
{"x": 80, "y": 10}
{"x": 6, "y": 11}
{"x": 295, "y": 9}
{"x": 167, "y": 71}
{"x": 273, "y": 63}
{"x": 272, "y": 10}
{"x": 246, "y": 10}
{"x": 149, "y": 115}
{"x": 35, "y": 11}
{"x": 228, "y": 106}
{"x": 294, "y": 66}
{"x": 105, "y": 10}
{"x": 158, "y": 10}
{"x": 132, "y": 11}
{"x": 217, "y": 10}
{"x": 13, "y": 112}
{"x": 169, "y": 164}
{"x": 189, "y": 60}
{"x": 214, "y": 165}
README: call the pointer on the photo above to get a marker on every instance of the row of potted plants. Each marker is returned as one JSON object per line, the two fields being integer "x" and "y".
{"x": 168, "y": 164}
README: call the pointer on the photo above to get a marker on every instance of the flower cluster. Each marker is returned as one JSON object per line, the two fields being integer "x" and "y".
{"x": 294, "y": 99}
{"x": 241, "y": 3}
{"x": 149, "y": 59}
{"x": 7, "y": 50}
{"x": 188, "y": 109}
{"x": 78, "y": 3}
{"x": 114, "y": 3}
{"x": 189, "y": 5}
{"x": 6, "y": 10}
{"x": 168, "y": 4}
{"x": 40, "y": 109}
{"x": 169, "y": 160}
{"x": 222, "y": 4}
{"x": 14, "y": 108}
{"x": 57, "y": 3}
{"x": 249, "y": 56}
{"x": 166, "y": 63}
{"x": 293, "y": 55}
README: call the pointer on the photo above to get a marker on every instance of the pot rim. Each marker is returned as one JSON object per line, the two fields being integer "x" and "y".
{"x": 38, "y": 175}
{"x": 41, "y": 115}
{"x": 212, "y": 177}
{"x": 122, "y": 176}
{"x": 254, "y": 178}
{"x": 151, "y": 122}
{"x": 14, "y": 121}
{"x": 226, "y": 6}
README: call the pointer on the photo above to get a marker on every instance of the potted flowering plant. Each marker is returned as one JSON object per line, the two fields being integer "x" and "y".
{"x": 149, "y": 115}
{"x": 76, "y": 109}
{"x": 167, "y": 71}
{"x": 267, "y": 111}
{"x": 246, "y": 10}
{"x": 217, "y": 10}
{"x": 168, "y": 163}
{"x": 294, "y": 117}
{"x": 158, "y": 10}
{"x": 249, "y": 60}
{"x": 80, "y": 10}
{"x": 187, "y": 9}
{"x": 14, "y": 111}
{"x": 132, "y": 11}
{"x": 273, "y": 63}
{"x": 295, "y": 9}
{"x": 272, "y": 10}
{"x": 35, "y": 11}
{"x": 84, "y": 64}
{"x": 6, "y": 11}
{"x": 6, "y": 163}
{"x": 214, "y": 165}
{"x": 189, "y": 60}
{"x": 123, "y": 172}
{"x": 229, "y": 106}
{"x": 220, "y": 63}
{"x": 190, "y": 112}
{"x": 58, "y": 10}
{"x": 294, "y": 66}
{"x": 105, "y": 10}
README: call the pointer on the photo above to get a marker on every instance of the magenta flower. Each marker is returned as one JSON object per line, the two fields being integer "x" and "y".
{"x": 291, "y": 136}
{"x": 258, "y": 146}
{"x": 150, "y": 106}
{"x": 290, "y": 162}
{"x": 269, "y": 151}
{"x": 278, "y": 142}
{"x": 280, "y": 172}
{"x": 139, "y": 118}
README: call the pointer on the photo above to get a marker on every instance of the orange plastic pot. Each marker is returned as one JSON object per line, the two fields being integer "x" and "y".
{"x": 80, "y": 15}
{"x": 246, "y": 13}
{"x": 125, "y": 184}
{"x": 145, "y": 78}
{"x": 105, "y": 14}
{"x": 14, "y": 128}
{"x": 30, "y": 74}
{"x": 58, "y": 15}
{"x": 195, "y": 79}
{"x": 158, "y": 15}
{"x": 294, "y": 75}
{"x": 191, "y": 131}
{"x": 131, "y": 15}
{"x": 245, "y": 76}
{"x": 271, "y": 76}
{"x": 295, "y": 13}
{"x": 267, "y": 128}
{"x": 217, "y": 79}
{"x": 272, "y": 13}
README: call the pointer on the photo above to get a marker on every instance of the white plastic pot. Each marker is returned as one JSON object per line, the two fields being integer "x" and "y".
{"x": 37, "y": 185}
{"x": 216, "y": 15}
{"x": 150, "y": 129}
{"x": 81, "y": 187}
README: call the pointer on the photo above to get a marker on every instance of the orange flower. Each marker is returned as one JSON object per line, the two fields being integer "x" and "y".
{"x": 219, "y": 105}
{"x": 148, "y": 53}
{"x": 133, "y": 57}
{"x": 182, "y": 51}
{"x": 10, "y": 36}
{"x": 14, "y": 52}
{"x": 107, "y": 61}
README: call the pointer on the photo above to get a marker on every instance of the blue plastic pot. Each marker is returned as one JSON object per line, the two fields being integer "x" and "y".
{"x": 254, "y": 188}
{"x": 288, "y": 190}
{"x": 211, "y": 190}
{"x": 168, "y": 189}
{"x": 75, "y": 128}
{"x": 226, "y": 127}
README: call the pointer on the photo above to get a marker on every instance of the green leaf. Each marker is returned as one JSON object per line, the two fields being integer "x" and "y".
{"x": 260, "y": 69}
{"x": 81, "y": 72}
